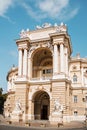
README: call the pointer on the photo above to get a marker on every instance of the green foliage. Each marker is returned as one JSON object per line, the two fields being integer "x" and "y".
{"x": 1, "y": 90}
{"x": 2, "y": 100}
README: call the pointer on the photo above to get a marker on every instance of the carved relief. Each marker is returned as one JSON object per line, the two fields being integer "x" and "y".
{"x": 44, "y": 44}
{"x": 58, "y": 108}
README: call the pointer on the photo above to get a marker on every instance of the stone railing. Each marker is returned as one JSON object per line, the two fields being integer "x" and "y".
{"x": 41, "y": 78}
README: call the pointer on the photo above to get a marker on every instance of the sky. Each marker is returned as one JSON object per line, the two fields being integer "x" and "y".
{"x": 16, "y": 15}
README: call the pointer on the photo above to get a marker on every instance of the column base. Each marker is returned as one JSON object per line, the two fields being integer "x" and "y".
{"x": 59, "y": 76}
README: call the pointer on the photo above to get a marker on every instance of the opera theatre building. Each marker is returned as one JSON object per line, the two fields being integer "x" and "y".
{"x": 48, "y": 84}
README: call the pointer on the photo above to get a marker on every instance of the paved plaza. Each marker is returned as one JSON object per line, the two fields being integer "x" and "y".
{"x": 4, "y": 125}
{"x": 10, "y": 127}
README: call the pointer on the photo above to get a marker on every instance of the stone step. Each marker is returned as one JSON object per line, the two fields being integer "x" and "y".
{"x": 37, "y": 123}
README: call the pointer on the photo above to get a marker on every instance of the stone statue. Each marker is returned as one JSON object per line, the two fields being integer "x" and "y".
{"x": 18, "y": 105}
{"x": 38, "y": 27}
{"x": 23, "y": 33}
{"x": 57, "y": 106}
{"x": 46, "y": 25}
{"x": 57, "y": 113}
{"x": 17, "y": 113}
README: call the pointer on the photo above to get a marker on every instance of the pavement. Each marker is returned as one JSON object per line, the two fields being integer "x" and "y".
{"x": 5, "y": 125}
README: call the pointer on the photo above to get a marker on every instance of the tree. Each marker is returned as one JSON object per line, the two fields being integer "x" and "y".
{"x": 1, "y": 90}
{"x": 2, "y": 100}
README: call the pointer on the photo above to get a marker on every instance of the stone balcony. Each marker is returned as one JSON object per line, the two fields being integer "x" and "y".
{"x": 42, "y": 79}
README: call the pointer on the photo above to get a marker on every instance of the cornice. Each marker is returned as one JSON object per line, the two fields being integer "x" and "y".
{"x": 40, "y": 40}
{"x": 22, "y": 41}
{"x": 82, "y": 60}
{"x": 79, "y": 88}
{"x": 12, "y": 70}
{"x": 11, "y": 92}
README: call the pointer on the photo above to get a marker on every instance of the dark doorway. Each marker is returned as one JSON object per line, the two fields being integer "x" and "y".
{"x": 41, "y": 105}
{"x": 44, "y": 112}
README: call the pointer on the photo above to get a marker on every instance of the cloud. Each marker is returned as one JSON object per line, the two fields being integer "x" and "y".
{"x": 41, "y": 9}
{"x": 4, "y": 6}
{"x": 54, "y": 9}
{"x": 33, "y": 13}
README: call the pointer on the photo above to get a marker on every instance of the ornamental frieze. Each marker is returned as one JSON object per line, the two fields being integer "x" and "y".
{"x": 40, "y": 45}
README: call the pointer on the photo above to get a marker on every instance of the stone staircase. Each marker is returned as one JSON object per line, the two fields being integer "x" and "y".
{"x": 74, "y": 124}
{"x": 38, "y": 123}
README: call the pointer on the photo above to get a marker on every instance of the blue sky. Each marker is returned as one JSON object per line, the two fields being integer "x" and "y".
{"x": 16, "y": 15}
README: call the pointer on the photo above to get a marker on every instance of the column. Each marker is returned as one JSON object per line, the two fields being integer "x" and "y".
{"x": 55, "y": 60}
{"x": 25, "y": 62}
{"x": 20, "y": 62}
{"x": 66, "y": 61}
{"x": 29, "y": 68}
{"x": 61, "y": 57}
{"x": 82, "y": 77}
{"x": 40, "y": 74}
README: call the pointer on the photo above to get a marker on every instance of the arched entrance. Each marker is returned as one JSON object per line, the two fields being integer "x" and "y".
{"x": 41, "y": 101}
{"x": 42, "y": 65}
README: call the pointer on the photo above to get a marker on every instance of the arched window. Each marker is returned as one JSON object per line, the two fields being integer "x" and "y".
{"x": 74, "y": 78}
{"x": 75, "y": 113}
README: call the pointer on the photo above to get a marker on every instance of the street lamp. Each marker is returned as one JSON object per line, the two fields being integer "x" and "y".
{"x": 85, "y": 100}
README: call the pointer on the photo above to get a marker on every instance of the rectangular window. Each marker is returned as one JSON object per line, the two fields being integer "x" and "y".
{"x": 47, "y": 71}
{"x": 43, "y": 71}
{"x": 75, "y": 98}
{"x": 74, "y": 78}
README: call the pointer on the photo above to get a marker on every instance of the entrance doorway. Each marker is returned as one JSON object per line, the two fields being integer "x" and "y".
{"x": 41, "y": 106}
{"x": 44, "y": 112}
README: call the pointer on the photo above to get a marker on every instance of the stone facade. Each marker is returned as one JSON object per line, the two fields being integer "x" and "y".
{"x": 48, "y": 83}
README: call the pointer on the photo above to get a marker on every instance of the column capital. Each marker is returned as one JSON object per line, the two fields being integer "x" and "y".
{"x": 20, "y": 48}
{"x": 61, "y": 43}
{"x": 25, "y": 48}
{"x": 58, "y": 43}
{"x": 55, "y": 43}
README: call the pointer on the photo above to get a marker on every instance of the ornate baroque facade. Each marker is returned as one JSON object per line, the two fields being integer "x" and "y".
{"x": 48, "y": 83}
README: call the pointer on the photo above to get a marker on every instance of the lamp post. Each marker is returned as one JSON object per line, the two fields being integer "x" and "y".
{"x": 85, "y": 100}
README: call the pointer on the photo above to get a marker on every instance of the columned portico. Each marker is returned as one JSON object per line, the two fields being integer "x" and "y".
{"x": 23, "y": 47}
{"x": 60, "y": 61}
